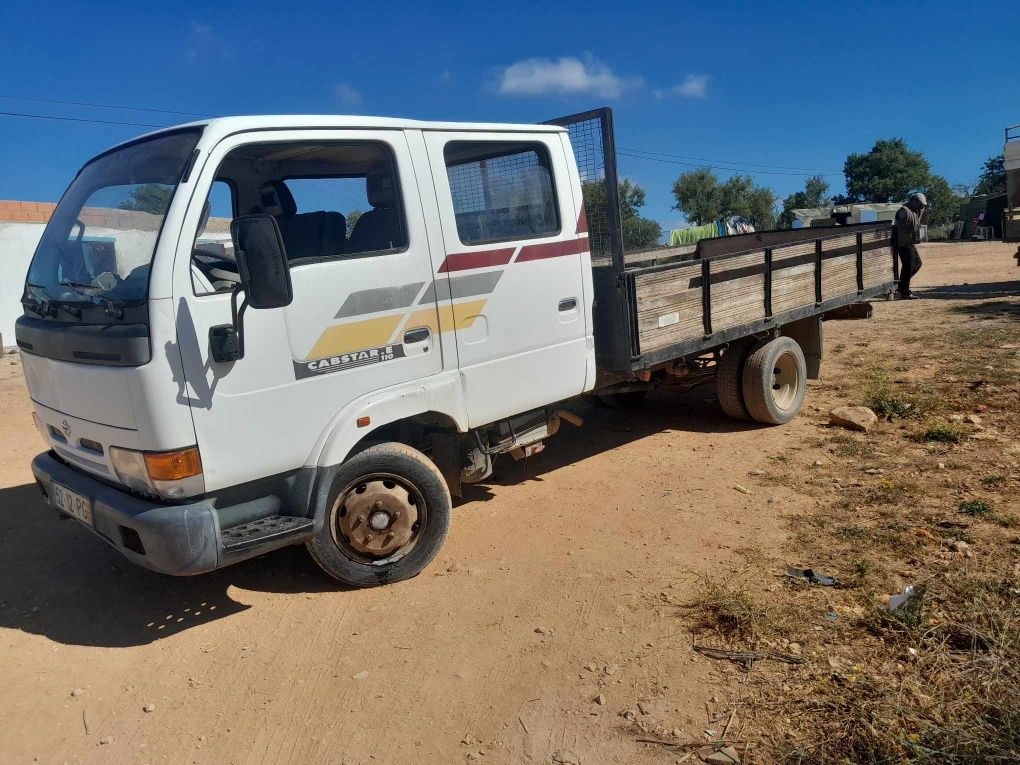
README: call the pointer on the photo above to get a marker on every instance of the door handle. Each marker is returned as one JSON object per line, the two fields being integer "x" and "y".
{"x": 568, "y": 304}
{"x": 417, "y": 335}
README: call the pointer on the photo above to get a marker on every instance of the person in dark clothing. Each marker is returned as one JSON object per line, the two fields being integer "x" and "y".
{"x": 905, "y": 235}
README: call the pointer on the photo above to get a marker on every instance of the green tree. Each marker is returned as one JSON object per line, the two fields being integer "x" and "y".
{"x": 993, "y": 177}
{"x": 151, "y": 198}
{"x": 699, "y": 196}
{"x": 702, "y": 198}
{"x": 352, "y": 220}
{"x": 815, "y": 194}
{"x": 943, "y": 202}
{"x": 887, "y": 173}
{"x": 638, "y": 233}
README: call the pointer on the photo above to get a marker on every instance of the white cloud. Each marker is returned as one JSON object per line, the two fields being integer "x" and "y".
{"x": 564, "y": 76}
{"x": 446, "y": 77}
{"x": 693, "y": 86}
{"x": 204, "y": 45}
{"x": 347, "y": 93}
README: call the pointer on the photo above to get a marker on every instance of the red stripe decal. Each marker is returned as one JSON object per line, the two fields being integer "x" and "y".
{"x": 462, "y": 261}
{"x": 553, "y": 249}
{"x": 582, "y": 222}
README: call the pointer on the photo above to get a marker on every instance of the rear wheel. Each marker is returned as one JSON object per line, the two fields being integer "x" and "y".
{"x": 387, "y": 515}
{"x": 775, "y": 381}
{"x": 729, "y": 379}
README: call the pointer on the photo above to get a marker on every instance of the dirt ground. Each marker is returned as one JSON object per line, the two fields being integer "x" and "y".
{"x": 551, "y": 627}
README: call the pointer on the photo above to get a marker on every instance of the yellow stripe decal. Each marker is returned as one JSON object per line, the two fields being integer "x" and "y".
{"x": 343, "y": 338}
{"x": 458, "y": 316}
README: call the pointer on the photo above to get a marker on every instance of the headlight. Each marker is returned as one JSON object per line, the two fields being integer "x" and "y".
{"x": 174, "y": 475}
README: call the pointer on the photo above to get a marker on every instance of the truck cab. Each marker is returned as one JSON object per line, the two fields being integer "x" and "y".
{"x": 259, "y": 331}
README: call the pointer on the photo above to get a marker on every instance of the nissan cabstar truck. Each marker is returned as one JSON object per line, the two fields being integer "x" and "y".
{"x": 253, "y": 332}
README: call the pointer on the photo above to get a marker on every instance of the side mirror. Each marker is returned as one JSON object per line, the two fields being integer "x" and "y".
{"x": 261, "y": 261}
{"x": 265, "y": 281}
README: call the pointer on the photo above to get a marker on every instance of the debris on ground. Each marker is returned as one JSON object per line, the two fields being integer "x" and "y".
{"x": 853, "y": 418}
{"x": 741, "y": 489}
{"x": 815, "y": 577}
{"x": 747, "y": 658}
{"x": 909, "y": 594}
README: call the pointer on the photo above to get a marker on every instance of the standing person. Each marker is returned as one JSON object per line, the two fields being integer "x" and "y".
{"x": 905, "y": 232}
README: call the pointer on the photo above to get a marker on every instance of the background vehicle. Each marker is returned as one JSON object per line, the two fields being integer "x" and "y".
{"x": 396, "y": 304}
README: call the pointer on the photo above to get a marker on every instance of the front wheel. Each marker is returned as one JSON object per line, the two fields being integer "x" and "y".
{"x": 387, "y": 515}
{"x": 775, "y": 381}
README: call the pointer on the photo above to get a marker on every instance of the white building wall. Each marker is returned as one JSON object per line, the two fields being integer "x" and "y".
{"x": 17, "y": 244}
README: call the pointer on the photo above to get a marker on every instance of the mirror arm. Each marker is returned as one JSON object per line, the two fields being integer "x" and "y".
{"x": 226, "y": 341}
{"x": 237, "y": 319}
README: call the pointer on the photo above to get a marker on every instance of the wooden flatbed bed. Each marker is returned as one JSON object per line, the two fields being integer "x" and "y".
{"x": 665, "y": 304}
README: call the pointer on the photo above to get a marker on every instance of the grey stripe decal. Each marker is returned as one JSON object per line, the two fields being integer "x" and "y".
{"x": 378, "y": 299}
{"x": 461, "y": 286}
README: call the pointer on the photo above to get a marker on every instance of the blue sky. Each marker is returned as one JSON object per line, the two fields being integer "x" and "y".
{"x": 767, "y": 84}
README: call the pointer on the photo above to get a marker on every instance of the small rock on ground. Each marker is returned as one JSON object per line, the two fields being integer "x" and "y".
{"x": 725, "y": 756}
{"x": 149, "y": 708}
{"x": 566, "y": 757}
{"x": 853, "y": 418}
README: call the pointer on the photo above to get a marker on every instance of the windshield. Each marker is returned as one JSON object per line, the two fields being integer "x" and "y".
{"x": 101, "y": 238}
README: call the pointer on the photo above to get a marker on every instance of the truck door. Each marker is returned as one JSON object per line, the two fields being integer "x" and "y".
{"x": 350, "y": 216}
{"x": 512, "y": 267}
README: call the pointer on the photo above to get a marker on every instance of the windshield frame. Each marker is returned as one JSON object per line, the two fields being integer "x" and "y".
{"x": 92, "y": 309}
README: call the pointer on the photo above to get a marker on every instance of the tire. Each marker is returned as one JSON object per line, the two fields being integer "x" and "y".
{"x": 775, "y": 381}
{"x": 621, "y": 399}
{"x": 397, "y": 482}
{"x": 729, "y": 379}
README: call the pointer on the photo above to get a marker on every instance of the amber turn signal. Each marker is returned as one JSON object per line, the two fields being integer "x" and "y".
{"x": 173, "y": 466}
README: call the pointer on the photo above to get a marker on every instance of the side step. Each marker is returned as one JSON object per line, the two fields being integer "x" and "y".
{"x": 254, "y": 533}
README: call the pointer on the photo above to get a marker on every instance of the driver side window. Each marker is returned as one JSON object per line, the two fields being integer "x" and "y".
{"x": 213, "y": 268}
{"x": 330, "y": 200}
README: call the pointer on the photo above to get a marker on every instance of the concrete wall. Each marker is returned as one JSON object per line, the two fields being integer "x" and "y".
{"x": 17, "y": 244}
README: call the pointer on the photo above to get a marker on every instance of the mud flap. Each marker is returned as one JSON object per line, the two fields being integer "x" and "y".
{"x": 447, "y": 454}
{"x": 808, "y": 335}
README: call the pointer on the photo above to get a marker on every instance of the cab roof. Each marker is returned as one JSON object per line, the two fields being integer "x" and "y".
{"x": 220, "y": 127}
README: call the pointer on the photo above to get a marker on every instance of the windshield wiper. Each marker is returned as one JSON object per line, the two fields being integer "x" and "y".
{"x": 44, "y": 307}
{"x": 111, "y": 309}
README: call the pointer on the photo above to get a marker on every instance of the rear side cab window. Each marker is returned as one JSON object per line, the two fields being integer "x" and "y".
{"x": 212, "y": 255}
{"x": 501, "y": 190}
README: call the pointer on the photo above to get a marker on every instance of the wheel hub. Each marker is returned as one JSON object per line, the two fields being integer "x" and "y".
{"x": 377, "y": 517}
{"x": 785, "y": 381}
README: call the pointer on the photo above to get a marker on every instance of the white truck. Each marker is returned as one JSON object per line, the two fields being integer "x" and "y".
{"x": 211, "y": 388}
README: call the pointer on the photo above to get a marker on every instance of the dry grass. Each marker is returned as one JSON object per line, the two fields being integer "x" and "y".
{"x": 936, "y": 682}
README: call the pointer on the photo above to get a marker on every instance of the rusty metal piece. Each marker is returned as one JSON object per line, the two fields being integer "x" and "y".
{"x": 386, "y": 506}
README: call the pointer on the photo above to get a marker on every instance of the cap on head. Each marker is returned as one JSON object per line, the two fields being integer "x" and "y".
{"x": 920, "y": 198}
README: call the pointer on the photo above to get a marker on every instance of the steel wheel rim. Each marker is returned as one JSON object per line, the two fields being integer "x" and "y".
{"x": 377, "y": 506}
{"x": 786, "y": 381}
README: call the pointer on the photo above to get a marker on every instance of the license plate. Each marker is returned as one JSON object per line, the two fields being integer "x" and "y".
{"x": 72, "y": 503}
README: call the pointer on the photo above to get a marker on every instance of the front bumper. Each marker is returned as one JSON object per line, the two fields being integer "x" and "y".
{"x": 180, "y": 539}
